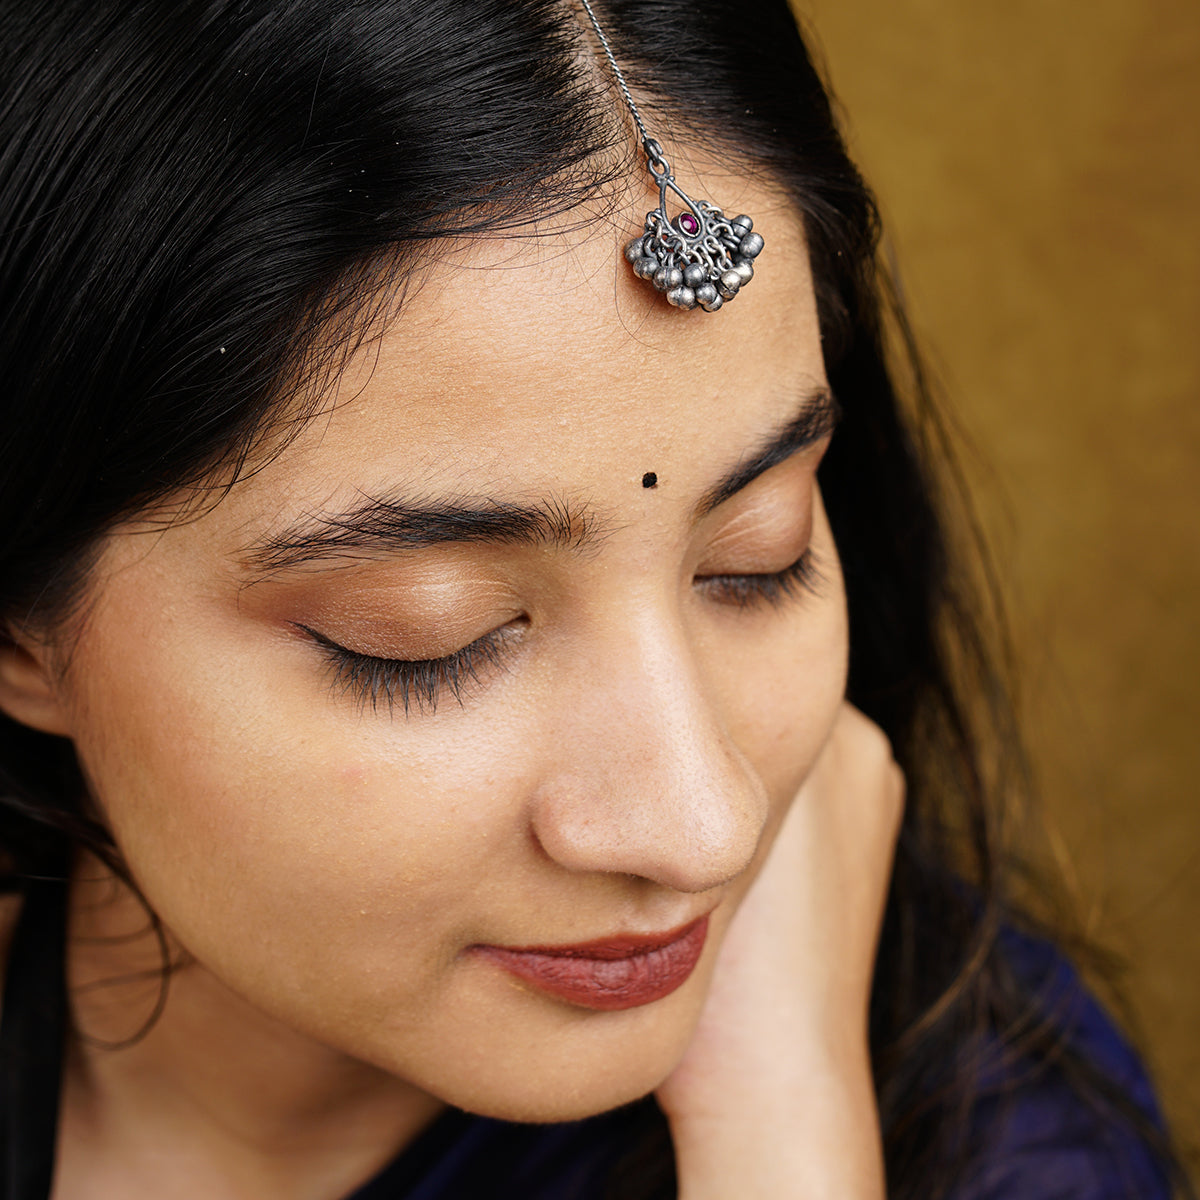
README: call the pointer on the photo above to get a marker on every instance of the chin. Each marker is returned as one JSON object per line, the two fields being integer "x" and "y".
{"x": 577, "y": 1067}
{"x": 532, "y": 1102}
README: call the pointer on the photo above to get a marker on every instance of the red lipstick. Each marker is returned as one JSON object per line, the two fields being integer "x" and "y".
{"x": 611, "y": 973}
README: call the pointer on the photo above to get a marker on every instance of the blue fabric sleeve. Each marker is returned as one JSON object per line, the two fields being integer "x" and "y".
{"x": 1042, "y": 1140}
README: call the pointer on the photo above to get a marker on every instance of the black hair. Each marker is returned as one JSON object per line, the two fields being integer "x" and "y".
{"x": 199, "y": 200}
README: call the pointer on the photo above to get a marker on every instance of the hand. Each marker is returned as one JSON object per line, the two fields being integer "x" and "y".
{"x": 774, "y": 1095}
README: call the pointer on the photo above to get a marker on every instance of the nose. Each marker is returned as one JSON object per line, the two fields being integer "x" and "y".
{"x": 643, "y": 779}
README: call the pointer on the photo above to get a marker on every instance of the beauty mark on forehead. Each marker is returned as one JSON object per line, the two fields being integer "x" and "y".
{"x": 378, "y": 526}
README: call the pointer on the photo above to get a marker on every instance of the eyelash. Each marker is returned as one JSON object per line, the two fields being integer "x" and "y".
{"x": 418, "y": 683}
{"x": 745, "y": 591}
{"x": 421, "y": 683}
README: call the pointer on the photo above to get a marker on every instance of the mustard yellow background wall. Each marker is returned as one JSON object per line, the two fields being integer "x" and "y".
{"x": 1038, "y": 165}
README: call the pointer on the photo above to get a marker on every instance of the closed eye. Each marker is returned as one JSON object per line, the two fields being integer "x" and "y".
{"x": 746, "y": 591}
{"x": 412, "y": 683}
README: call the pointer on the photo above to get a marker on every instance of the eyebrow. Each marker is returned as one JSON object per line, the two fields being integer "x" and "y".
{"x": 379, "y": 525}
{"x": 817, "y": 418}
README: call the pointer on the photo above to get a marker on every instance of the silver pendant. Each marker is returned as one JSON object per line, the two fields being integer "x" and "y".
{"x": 700, "y": 258}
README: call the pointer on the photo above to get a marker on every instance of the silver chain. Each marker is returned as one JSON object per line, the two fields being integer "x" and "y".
{"x": 652, "y": 147}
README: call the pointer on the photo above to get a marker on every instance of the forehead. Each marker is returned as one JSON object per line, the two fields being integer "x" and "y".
{"x": 536, "y": 365}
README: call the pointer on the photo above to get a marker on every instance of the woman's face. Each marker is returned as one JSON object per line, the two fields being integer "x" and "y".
{"x": 611, "y": 688}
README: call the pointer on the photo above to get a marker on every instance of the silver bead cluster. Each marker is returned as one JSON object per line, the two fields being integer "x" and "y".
{"x": 701, "y": 259}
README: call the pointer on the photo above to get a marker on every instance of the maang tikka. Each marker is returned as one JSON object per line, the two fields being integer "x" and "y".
{"x": 700, "y": 258}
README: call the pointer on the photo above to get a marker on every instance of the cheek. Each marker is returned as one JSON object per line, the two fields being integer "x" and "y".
{"x": 783, "y": 691}
{"x": 246, "y": 797}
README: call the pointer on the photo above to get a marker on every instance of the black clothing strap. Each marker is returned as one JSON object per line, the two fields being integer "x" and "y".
{"x": 32, "y": 1030}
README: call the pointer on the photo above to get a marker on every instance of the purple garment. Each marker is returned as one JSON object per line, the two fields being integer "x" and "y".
{"x": 462, "y": 1157}
{"x": 1037, "y": 1141}
{"x": 1042, "y": 1141}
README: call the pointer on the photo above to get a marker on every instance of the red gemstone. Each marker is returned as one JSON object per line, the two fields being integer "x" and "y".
{"x": 689, "y": 224}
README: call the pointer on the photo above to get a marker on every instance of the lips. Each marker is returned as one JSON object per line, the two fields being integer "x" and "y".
{"x": 611, "y": 973}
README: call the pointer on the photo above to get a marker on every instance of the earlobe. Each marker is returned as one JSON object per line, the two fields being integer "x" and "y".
{"x": 28, "y": 692}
